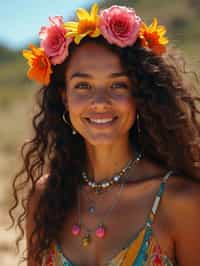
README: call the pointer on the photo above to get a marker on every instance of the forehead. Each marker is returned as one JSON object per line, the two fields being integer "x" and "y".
{"x": 94, "y": 58}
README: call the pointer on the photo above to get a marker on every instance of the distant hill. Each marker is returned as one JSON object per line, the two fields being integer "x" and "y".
{"x": 7, "y": 54}
{"x": 12, "y": 67}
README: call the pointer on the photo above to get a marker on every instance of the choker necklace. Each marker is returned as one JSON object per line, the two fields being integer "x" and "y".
{"x": 99, "y": 230}
{"x": 105, "y": 184}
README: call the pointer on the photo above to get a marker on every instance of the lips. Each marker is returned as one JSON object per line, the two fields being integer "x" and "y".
{"x": 101, "y": 119}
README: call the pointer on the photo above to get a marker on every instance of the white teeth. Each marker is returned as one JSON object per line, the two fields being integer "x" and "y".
{"x": 101, "y": 121}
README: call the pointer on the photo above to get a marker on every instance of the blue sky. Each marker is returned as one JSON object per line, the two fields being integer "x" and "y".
{"x": 20, "y": 20}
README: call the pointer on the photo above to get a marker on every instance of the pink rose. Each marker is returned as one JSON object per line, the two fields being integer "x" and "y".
{"x": 53, "y": 40}
{"x": 119, "y": 25}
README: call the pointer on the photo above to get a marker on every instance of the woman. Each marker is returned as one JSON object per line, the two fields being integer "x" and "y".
{"x": 113, "y": 165}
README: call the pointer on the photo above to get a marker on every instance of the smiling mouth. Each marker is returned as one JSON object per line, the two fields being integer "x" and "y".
{"x": 102, "y": 121}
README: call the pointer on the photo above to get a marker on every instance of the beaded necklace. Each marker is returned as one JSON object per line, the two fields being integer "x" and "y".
{"x": 100, "y": 229}
{"x": 105, "y": 184}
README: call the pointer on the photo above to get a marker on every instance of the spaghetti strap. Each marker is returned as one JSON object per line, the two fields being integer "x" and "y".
{"x": 145, "y": 245}
{"x": 158, "y": 197}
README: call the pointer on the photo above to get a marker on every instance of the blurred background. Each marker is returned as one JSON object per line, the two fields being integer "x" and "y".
{"x": 20, "y": 22}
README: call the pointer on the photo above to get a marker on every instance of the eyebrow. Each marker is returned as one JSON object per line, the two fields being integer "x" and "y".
{"x": 85, "y": 75}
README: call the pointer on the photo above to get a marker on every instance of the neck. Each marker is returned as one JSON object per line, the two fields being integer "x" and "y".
{"x": 104, "y": 161}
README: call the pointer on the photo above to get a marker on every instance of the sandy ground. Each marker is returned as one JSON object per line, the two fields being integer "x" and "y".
{"x": 15, "y": 125}
{"x": 8, "y": 254}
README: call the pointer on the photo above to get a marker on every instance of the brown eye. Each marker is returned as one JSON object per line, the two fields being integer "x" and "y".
{"x": 119, "y": 85}
{"x": 82, "y": 86}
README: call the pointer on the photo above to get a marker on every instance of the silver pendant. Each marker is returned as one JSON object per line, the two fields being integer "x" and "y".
{"x": 91, "y": 209}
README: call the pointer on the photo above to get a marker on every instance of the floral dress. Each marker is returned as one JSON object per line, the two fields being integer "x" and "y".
{"x": 142, "y": 250}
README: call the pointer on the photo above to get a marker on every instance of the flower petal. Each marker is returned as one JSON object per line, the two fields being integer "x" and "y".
{"x": 94, "y": 11}
{"x": 78, "y": 38}
{"x": 144, "y": 27}
{"x": 153, "y": 37}
{"x": 70, "y": 25}
{"x": 154, "y": 24}
{"x": 70, "y": 34}
{"x": 159, "y": 49}
{"x": 96, "y": 33}
{"x": 161, "y": 30}
{"x": 40, "y": 66}
{"x": 27, "y": 54}
{"x": 164, "y": 40}
{"x": 82, "y": 14}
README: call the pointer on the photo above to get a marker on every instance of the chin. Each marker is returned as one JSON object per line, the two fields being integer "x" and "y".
{"x": 101, "y": 140}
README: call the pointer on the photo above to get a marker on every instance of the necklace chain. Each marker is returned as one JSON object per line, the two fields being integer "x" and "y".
{"x": 106, "y": 213}
{"x": 91, "y": 201}
{"x": 100, "y": 229}
{"x": 105, "y": 184}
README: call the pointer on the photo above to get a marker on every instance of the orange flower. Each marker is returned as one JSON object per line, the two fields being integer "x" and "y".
{"x": 153, "y": 37}
{"x": 40, "y": 66}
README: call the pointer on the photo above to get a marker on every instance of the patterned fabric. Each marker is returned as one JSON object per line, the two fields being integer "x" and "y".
{"x": 143, "y": 250}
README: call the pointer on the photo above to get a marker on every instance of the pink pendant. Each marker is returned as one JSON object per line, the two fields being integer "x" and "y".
{"x": 76, "y": 229}
{"x": 100, "y": 231}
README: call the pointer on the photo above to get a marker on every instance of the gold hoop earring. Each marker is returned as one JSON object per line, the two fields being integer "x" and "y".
{"x": 68, "y": 123}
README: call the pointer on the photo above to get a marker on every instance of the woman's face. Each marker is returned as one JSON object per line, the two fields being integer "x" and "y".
{"x": 98, "y": 95}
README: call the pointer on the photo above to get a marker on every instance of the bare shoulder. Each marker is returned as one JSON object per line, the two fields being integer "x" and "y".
{"x": 39, "y": 187}
{"x": 183, "y": 191}
{"x": 34, "y": 198}
{"x": 41, "y": 183}
{"x": 182, "y": 203}
{"x": 183, "y": 197}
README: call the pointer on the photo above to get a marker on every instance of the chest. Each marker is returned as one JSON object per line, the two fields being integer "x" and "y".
{"x": 122, "y": 225}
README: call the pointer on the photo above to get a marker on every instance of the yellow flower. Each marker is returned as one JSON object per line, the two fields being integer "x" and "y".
{"x": 87, "y": 25}
{"x": 153, "y": 37}
{"x": 40, "y": 66}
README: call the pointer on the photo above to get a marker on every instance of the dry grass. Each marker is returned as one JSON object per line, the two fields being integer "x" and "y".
{"x": 14, "y": 129}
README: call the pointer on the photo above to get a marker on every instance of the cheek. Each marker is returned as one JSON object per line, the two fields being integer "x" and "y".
{"x": 76, "y": 105}
{"x": 131, "y": 110}
{"x": 127, "y": 106}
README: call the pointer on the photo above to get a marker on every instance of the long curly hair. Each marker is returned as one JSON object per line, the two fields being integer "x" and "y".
{"x": 170, "y": 130}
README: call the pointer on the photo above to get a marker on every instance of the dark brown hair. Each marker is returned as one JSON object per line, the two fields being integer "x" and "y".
{"x": 169, "y": 136}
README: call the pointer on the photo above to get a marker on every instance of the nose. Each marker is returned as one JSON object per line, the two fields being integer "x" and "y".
{"x": 101, "y": 98}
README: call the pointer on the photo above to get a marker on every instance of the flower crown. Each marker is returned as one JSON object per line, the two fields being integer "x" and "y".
{"x": 119, "y": 25}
